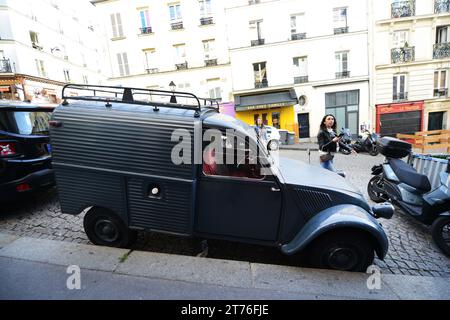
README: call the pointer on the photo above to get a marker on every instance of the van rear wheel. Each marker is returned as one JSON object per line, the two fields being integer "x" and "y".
{"x": 342, "y": 250}
{"x": 104, "y": 228}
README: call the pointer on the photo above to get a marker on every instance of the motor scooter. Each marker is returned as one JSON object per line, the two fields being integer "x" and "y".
{"x": 367, "y": 142}
{"x": 399, "y": 183}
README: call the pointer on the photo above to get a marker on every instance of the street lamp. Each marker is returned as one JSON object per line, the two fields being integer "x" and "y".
{"x": 172, "y": 86}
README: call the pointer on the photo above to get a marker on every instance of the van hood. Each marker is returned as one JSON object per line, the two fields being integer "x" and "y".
{"x": 299, "y": 173}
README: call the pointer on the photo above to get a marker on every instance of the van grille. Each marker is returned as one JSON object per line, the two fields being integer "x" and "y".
{"x": 312, "y": 202}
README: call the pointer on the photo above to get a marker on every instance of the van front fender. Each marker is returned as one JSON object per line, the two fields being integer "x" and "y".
{"x": 338, "y": 217}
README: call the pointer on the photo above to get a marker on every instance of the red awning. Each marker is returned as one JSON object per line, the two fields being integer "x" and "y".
{"x": 4, "y": 89}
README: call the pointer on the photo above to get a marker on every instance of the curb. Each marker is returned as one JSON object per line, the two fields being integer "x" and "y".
{"x": 224, "y": 274}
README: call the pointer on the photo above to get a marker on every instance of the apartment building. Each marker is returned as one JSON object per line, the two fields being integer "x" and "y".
{"x": 169, "y": 45}
{"x": 411, "y": 65}
{"x": 45, "y": 44}
{"x": 293, "y": 61}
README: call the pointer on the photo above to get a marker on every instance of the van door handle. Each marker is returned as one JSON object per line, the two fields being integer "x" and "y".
{"x": 273, "y": 189}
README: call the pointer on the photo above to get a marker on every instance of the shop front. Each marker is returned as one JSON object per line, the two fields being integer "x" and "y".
{"x": 30, "y": 88}
{"x": 275, "y": 109}
{"x": 394, "y": 118}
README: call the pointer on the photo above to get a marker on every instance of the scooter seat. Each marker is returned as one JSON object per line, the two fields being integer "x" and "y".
{"x": 408, "y": 175}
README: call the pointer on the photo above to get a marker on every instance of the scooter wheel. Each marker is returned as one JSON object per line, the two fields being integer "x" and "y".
{"x": 440, "y": 231}
{"x": 374, "y": 151}
{"x": 373, "y": 194}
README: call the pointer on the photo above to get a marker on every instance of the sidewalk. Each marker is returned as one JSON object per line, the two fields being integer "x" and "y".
{"x": 37, "y": 269}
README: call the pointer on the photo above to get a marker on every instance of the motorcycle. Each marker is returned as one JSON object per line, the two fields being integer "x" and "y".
{"x": 399, "y": 183}
{"x": 367, "y": 142}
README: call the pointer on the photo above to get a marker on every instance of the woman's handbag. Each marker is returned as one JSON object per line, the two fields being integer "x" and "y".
{"x": 326, "y": 157}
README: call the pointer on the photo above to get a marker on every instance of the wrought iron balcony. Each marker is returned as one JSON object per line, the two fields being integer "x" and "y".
{"x": 261, "y": 84}
{"x": 146, "y": 30}
{"x": 253, "y": 2}
{"x": 5, "y": 66}
{"x": 36, "y": 46}
{"x": 402, "y": 55}
{"x": 441, "y": 6}
{"x": 398, "y": 96}
{"x": 343, "y": 74}
{"x": 341, "y": 30}
{"x": 441, "y": 50}
{"x": 210, "y": 62}
{"x": 181, "y": 66}
{"x": 403, "y": 9}
{"x": 206, "y": 21}
{"x": 152, "y": 70}
{"x": 177, "y": 25}
{"x": 301, "y": 79}
{"x": 298, "y": 36}
{"x": 441, "y": 92}
{"x": 257, "y": 42}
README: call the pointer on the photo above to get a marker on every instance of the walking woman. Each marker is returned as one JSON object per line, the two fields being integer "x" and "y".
{"x": 328, "y": 142}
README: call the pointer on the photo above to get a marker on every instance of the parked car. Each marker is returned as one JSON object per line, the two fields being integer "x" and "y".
{"x": 273, "y": 138}
{"x": 119, "y": 154}
{"x": 25, "y": 151}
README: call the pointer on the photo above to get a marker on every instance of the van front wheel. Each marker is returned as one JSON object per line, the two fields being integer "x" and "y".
{"x": 104, "y": 228}
{"x": 342, "y": 250}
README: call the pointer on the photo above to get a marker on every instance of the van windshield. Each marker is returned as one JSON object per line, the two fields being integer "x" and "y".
{"x": 25, "y": 122}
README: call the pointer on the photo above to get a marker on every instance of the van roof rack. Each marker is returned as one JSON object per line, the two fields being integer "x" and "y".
{"x": 137, "y": 96}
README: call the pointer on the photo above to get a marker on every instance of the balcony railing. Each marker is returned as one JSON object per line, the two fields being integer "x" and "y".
{"x": 261, "y": 84}
{"x": 152, "y": 70}
{"x": 5, "y": 66}
{"x": 253, "y": 1}
{"x": 341, "y": 30}
{"x": 177, "y": 25}
{"x": 441, "y": 6}
{"x": 402, "y": 55}
{"x": 442, "y": 92}
{"x": 146, "y": 30}
{"x": 257, "y": 42}
{"x": 343, "y": 74}
{"x": 36, "y": 46}
{"x": 181, "y": 66}
{"x": 397, "y": 96}
{"x": 205, "y": 21}
{"x": 210, "y": 62}
{"x": 301, "y": 79}
{"x": 403, "y": 9}
{"x": 298, "y": 36}
{"x": 441, "y": 50}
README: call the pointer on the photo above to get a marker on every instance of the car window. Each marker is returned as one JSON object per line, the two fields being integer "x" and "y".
{"x": 24, "y": 122}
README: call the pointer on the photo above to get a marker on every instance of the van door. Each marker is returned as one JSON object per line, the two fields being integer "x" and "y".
{"x": 238, "y": 201}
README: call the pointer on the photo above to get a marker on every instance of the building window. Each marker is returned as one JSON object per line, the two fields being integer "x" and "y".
{"x": 150, "y": 61}
{"x": 66, "y": 75}
{"x": 34, "y": 37}
{"x": 440, "y": 83}
{"x": 209, "y": 49}
{"x": 180, "y": 56}
{"x": 399, "y": 88}
{"x": 122, "y": 60}
{"x": 259, "y": 70}
{"x": 344, "y": 105}
{"x": 40, "y": 68}
{"x": 214, "y": 90}
{"x": 442, "y": 34}
{"x": 85, "y": 79}
{"x": 205, "y": 8}
{"x": 300, "y": 69}
{"x": 116, "y": 24}
{"x": 342, "y": 65}
{"x": 175, "y": 16}
{"x": 340, "y": 20}
{"x": 441, "y": 48}
{"x": 400, "y": 38}
{"x": 145, "y": 22}
{"x": 298, "y": 25}
{"x": 257, "y": 32}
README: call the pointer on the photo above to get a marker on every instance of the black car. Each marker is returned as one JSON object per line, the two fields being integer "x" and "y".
{"x": 25, "y": 150}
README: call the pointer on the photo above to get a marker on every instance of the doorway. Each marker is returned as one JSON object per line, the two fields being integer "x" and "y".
{"x": 303, "y": 125}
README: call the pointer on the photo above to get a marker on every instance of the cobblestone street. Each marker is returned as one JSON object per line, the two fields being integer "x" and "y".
{"x": 411, "y": 251}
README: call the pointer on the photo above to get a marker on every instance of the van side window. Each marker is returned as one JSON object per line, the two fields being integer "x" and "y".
{"x": 243, "y": 167}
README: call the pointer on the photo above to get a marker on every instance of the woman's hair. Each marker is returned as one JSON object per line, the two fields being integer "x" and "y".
{"x": 322, "y": 124}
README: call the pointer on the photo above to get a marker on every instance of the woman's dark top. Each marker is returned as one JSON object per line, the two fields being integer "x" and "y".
{"x": 326, "y": 143}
